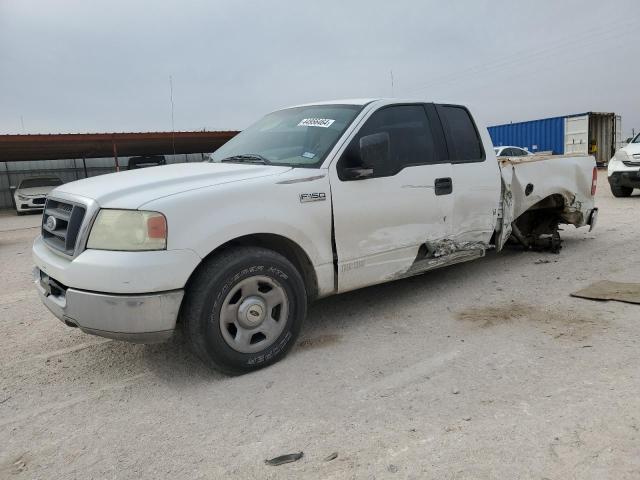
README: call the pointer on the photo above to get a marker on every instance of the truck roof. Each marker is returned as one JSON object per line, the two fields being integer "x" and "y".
{"x": 365, "y": 101}
{"x": 343, "y": 101}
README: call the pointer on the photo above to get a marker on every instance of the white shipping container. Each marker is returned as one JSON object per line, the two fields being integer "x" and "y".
{"x": 593, "y": 133}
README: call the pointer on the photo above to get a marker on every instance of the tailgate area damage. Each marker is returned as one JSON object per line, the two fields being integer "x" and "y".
{"x": 542, "y": 193}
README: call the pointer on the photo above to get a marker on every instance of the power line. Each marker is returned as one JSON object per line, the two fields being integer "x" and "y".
{"x": 551, "y": 48}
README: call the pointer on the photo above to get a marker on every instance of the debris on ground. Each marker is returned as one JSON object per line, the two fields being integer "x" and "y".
{"x": 331, "y": 456}
{"x": 607, "y": 290}
{"x": 282, "y": 459}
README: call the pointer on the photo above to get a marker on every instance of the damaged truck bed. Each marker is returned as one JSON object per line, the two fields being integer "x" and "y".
{"x": 541, "y": 192}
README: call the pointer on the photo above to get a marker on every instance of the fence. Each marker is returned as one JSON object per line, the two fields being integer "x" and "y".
{"x": 69, "y": 170}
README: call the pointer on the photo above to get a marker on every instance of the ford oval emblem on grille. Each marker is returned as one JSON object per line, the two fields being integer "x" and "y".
{"x": 51, "y": 223}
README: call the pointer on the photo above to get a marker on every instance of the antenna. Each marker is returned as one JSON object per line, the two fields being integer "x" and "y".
{"x": 173, "y": 130}
{"x": 392, "y": 94}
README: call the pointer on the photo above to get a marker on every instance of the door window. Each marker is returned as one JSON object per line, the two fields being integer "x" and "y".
{"x": 411, "y": 140}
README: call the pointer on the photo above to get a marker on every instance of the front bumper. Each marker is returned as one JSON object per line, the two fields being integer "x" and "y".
{"x": 31, "y": 204}
{"x": 628, "y": 178}
{"x": 141, "y": 318}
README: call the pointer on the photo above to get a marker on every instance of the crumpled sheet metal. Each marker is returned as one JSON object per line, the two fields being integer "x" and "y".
{"x": 608, "y": 290}
{"x": 567, "y": 175}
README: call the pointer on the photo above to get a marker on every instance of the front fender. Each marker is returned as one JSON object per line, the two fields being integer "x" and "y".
{"x": 204, "y": 219}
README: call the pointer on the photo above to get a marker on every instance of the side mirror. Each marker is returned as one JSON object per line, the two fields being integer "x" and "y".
{"x": 13, "y": 188}
{"x": 375, "y": 151}
{"x": 371, "y": 157}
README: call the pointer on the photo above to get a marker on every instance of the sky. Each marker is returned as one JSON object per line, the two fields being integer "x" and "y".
{"x": 76, "y": 66}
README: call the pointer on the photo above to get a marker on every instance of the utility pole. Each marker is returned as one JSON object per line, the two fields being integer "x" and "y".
{"x": 173, "y": 131}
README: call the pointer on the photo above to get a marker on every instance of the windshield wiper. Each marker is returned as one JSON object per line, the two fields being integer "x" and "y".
{"x": 247, "y": 158}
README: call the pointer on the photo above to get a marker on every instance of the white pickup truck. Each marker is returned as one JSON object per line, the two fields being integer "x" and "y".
{"x": 310, "y": 201}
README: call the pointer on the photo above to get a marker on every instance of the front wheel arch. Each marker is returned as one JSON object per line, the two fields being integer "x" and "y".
{"x": 279, "y": 244}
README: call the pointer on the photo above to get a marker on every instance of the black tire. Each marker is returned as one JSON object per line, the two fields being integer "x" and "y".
{"x": 620, "y": 191}
{"x": 207, "y": 291}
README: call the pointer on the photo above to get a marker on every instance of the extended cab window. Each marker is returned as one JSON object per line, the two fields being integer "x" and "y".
{"x": 411, "y": 140}
{"x": 463, "y": 140}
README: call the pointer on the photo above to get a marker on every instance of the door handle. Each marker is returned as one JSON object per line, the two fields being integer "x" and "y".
{"x": 443, "y": 186}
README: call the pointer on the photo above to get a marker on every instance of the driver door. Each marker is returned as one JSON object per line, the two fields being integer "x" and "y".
{"x": 382, "y": 221}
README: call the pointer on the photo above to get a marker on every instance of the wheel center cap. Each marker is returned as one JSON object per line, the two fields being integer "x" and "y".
{"x": 251, "y": 312}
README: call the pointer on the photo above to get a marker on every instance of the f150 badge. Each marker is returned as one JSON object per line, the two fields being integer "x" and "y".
{"x": 312, "y": 197}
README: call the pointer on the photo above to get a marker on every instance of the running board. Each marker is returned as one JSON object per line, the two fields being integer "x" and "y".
{"x": 431, "y": 263}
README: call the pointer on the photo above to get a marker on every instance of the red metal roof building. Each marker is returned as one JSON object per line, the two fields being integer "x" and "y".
{"x": 23, "y": 156}
{"x": 99, "y": 145}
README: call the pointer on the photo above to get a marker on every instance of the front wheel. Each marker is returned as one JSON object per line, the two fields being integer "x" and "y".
{"x": 620, "y": 191}
{"x": 244, "y": 309}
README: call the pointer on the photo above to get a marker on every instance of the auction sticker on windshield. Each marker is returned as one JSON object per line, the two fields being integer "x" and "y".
{"x": 316, "y": 122}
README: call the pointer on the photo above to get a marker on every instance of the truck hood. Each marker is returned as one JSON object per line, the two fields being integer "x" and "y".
{"x": 133, "y": 188}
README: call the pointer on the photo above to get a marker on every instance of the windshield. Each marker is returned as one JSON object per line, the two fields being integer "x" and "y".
{"x": 297, "y": 137}
{"x": 637, "y": 139}
{"x": 40, "y": 182}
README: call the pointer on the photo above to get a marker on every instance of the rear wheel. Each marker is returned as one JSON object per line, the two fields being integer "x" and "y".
{"x": 620, "y": 191}
{"x": 244, "y": 309}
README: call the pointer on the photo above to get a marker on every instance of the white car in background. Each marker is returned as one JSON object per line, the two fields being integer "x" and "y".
{"x": 508, "y": 151}
{"x": 624, "y": 169}
{"x": 31, "y": 193}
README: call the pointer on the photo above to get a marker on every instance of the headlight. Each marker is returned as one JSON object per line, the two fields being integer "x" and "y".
{"x": 128, "y": 230}
{"x": 24, "y": 198}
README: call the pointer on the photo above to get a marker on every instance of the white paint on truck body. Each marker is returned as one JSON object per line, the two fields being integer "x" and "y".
{"x": 354, "y": 233}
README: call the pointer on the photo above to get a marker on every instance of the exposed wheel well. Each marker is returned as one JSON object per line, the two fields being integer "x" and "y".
{"x": 542, "y": 217}
{"x": 555, "y": 201}
{"x": 282, "y": 245}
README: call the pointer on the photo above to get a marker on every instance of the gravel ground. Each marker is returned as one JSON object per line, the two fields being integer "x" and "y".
{"x": 482, "y": 370}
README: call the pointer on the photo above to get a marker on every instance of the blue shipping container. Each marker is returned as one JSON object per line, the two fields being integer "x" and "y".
{"x": 536, "y": 135}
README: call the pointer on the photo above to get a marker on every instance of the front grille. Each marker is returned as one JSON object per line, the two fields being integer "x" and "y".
{"x": 39, "y": 201}
{"x": 66, "y": 225}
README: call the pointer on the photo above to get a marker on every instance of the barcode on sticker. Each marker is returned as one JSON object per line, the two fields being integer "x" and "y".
{"x": 316, "y": 122}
